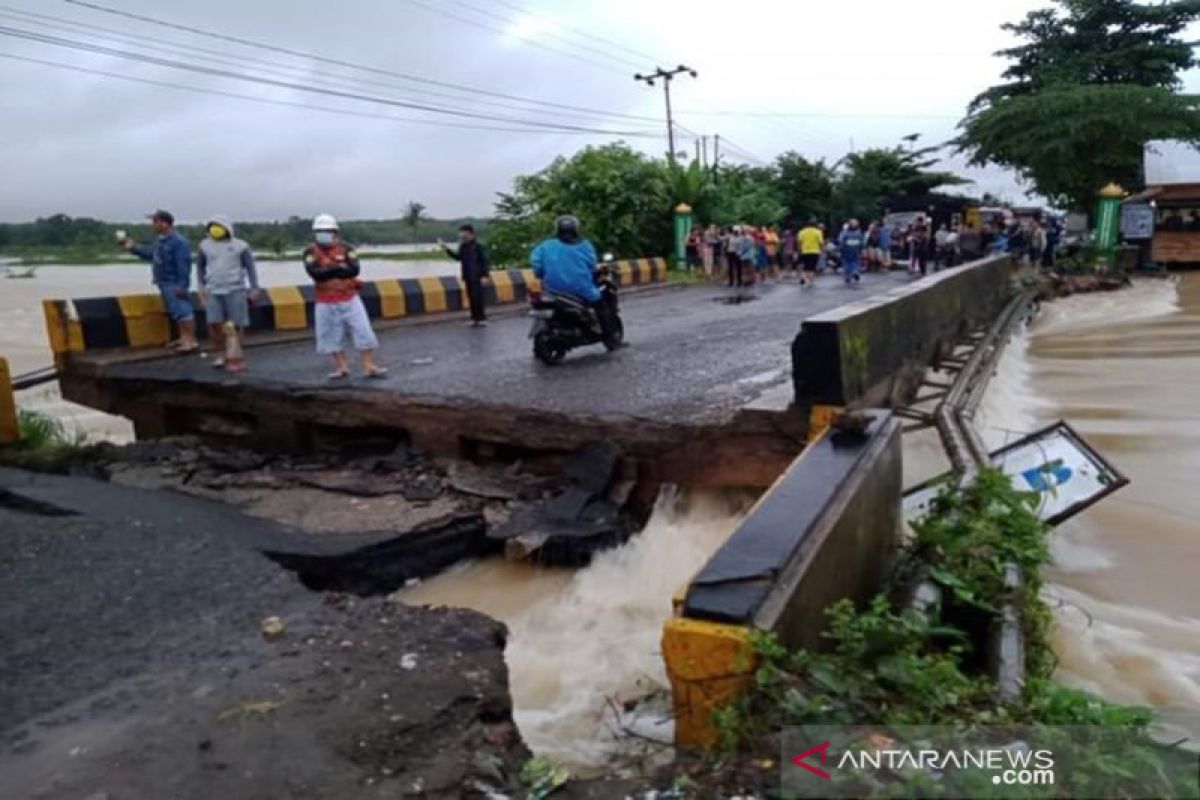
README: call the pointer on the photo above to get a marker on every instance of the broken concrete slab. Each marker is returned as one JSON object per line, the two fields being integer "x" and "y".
{"x": 386, "y": 566}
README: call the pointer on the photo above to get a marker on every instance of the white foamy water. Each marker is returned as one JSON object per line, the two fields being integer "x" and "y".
{"x": 581, "y": 645}
{"x": 1124, "y": 370}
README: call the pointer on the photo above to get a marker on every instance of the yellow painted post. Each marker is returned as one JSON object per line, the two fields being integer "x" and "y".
{"x": 9, "y": 432}
{"x": 709, "y": 665}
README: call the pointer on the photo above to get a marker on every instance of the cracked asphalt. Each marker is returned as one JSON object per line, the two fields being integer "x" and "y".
{"x": 692, "y": 353}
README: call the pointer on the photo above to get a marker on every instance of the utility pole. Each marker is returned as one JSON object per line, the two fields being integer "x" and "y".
{"x": 716, "y": 152}
{"x": 667, "y": 75}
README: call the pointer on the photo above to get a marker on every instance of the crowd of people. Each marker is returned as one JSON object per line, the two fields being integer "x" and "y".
{"x": 228, "y": 285}
{"x": 743, "y": 255}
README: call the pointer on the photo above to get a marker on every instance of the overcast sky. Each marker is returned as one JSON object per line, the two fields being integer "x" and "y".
{"x": 852, "y": 73}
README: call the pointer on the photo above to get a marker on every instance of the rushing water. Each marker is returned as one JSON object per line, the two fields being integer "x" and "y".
{"x": 1124, "y": 370}
{"x": 23, "y": 329}
{"x": 584, "y": 647}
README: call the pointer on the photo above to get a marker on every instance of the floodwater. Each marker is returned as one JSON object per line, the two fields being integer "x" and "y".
{"x": 584, "y": 659}
{"x": 23, "y": 330}
{"x": 1124, "y": 370}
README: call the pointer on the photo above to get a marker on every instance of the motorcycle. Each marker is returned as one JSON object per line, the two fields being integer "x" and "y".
{"x": 562, "y": 323}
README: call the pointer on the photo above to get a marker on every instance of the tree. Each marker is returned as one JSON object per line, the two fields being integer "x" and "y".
{"x": 1068, "y": 142}
{"x": 805, "y": 187}
{"x": 622, "y": 198}
{"x": 866, "y": 179}
{"x": 414, "y": 214}
{"x": 1093, "y": 81}
{"x": 1096, "y": 42}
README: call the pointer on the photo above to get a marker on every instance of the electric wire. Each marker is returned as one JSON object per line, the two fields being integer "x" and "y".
{"x": 553, "y": 34}
{"x": 240, "y": 60}
{"x": 345, "y": 95}
{"x": 276, "y": 102}
{"x": 342, "y": 63}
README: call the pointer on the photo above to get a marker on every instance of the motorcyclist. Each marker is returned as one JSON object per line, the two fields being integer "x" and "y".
{"x": 566, "y": 265}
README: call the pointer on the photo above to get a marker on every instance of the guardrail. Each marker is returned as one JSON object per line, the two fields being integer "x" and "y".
{"x": 136, "y": 321}
{"x": 826, "y": 530}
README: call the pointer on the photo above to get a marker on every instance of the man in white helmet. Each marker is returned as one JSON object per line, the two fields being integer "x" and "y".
{"x": 340, "y": 313}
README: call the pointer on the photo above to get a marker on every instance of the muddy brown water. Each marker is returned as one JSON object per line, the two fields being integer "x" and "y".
{"x": 1123, "y": 368}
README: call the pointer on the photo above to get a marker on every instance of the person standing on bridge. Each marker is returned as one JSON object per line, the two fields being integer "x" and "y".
{"x": 850, "y": 246}
{"x": 340, "y": 313}
{"x": 172, "y": 271}
{"x": 224, "y": 267}
{"x": 812, "y": 242}
{"x": 475, "y": 266}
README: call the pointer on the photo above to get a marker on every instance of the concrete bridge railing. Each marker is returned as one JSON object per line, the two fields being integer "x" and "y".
{"x": 141, "y": 321}
{"x": 829, "y": 527}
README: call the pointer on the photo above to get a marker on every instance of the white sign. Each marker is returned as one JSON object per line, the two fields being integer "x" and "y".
{"x": 1056, "y": 463}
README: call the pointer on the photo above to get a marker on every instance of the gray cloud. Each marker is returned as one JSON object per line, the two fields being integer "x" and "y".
{"x": 91, "y": 145}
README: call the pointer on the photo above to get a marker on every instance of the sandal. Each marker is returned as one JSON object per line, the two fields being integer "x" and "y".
{"x": 184, "y": 351}
{"x": 338, "y": 375}
{"x": 378, "y": 372}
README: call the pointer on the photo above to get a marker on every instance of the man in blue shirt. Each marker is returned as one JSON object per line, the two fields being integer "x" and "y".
{"x": 566, "y": 265}
{"x": 171, "y": 258}
{"x": 850, "y": 247}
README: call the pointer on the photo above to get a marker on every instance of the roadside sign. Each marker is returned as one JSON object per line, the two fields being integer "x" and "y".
{"x": 1066, "y": 473}
{"x": 1137, "y": 221}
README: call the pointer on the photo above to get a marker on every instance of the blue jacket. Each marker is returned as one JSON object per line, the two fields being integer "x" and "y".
{"x": 567, "y": 268}
{"x": 171, "y": 257}
{"x": 851, "y": 242}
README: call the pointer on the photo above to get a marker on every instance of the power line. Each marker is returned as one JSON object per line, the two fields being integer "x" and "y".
{"x": 587, "y": 34}
{"x": 241, "y": 60}
{"x": 345, "y": 95}
{"x": 817, "y": 114}
{"x": 274, "y": 102}
{"x": 340, "y": 63}
{"x": 553, "y": 34}
{"x": 745, "y": 154}
{"x": 538, "y": 45}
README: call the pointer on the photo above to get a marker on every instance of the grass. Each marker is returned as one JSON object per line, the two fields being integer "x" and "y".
{"x": 45, "y": 444}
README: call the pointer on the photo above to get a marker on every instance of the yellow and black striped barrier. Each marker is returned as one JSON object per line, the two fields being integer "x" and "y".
{"x": 95, "y": 323}
{"x": 10, "y": 431}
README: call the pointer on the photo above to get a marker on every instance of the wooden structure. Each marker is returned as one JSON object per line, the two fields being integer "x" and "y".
{"x": 1176, "y": 222}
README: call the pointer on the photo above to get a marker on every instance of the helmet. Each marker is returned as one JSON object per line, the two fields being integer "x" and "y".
{"x": 325, "y": 222}
{"x": 566, "y": 226}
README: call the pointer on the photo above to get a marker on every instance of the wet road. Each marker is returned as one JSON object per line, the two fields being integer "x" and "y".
{"x": 691, "y": 354}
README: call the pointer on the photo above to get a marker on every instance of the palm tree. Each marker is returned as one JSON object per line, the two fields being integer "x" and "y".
{"x": 414, "y": 213}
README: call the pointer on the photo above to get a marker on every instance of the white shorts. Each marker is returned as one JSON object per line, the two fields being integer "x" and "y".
{"x": 336, "y": 320}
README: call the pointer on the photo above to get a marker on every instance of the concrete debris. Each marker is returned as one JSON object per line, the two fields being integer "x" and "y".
{"x": 408, "y": 661}
{"x": 385, "y": 566}
{"x": 272, "y": 629}
{"x": 473, "y": 480}
{"x": 522, "y": 547}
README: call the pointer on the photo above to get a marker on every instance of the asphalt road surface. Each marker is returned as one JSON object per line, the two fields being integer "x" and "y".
{"x": 691, "y": 353}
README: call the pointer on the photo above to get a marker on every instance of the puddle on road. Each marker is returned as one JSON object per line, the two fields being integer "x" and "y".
{"x": 736, "y": 300}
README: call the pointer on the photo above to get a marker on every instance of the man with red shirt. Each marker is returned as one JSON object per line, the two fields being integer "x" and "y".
{"x": 340, "y": 313}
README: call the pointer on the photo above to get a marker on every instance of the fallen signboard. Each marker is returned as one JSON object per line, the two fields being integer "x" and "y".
{"x": 1067, "y": 474}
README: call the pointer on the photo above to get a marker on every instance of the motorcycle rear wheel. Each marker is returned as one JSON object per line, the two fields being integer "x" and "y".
{"x": 548, "y": 349}
{"x": 617, "y": 338}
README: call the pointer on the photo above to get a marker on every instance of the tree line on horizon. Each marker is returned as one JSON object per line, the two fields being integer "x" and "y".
{"x": 60, "y": 231}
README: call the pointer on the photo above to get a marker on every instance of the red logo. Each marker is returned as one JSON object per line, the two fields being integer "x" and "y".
{"x": 822, "y": 750}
